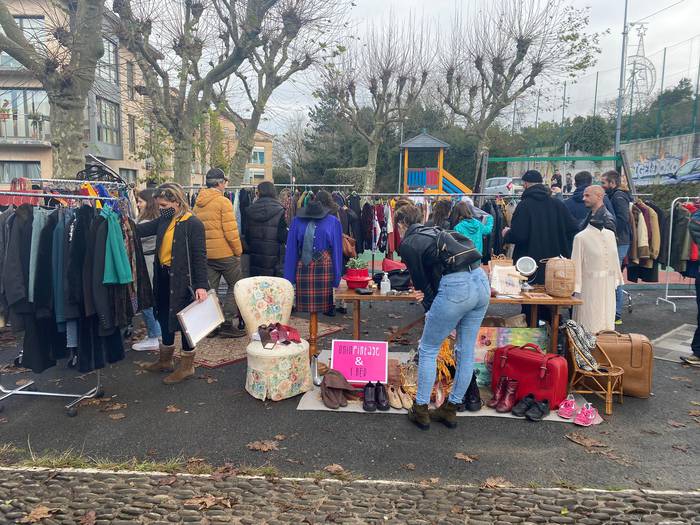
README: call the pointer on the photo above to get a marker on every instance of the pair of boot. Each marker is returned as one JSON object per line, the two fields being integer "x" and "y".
{"x": 166, "y": 363}
{"x": 472, "y": 398}
{"x": 504, "y": 397}
{"x": 421, "y": 416}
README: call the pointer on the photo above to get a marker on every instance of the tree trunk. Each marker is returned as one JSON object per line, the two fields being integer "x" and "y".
{"x": 67, "y": 141}
{"x": 246, "y": 142}
{"x": 182, "y": 159}
{"x": 371, "y": 175}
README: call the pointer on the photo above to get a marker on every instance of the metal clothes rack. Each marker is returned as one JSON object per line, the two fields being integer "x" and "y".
{"x": 666, "y": 298}
{"x": 77, "y": 181}
{"x": 28, "y": 389}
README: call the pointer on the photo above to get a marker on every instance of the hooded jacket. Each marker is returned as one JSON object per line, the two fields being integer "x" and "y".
{"x": 216, "y": 212}
{"x": 578, "y": 209}
{"x": 265, "y": 236}
{"x": 475, "y": 230}
{"x": 541, "y": 228}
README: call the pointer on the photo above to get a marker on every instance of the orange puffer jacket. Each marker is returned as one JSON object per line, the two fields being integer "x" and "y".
{"x": 216, "y": 212}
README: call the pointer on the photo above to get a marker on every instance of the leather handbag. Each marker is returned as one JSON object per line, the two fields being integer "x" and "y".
{"x": 400, "y": 280}
{"x": 635, "y": 355}
{"x": 349, "y": 247}
{"x": 544, "y": 375}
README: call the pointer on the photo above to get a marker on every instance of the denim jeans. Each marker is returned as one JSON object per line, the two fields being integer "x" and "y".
{"x": 621, "y": 253}
{"x": 152, "y": 325}
{"x": 461, "y": 303}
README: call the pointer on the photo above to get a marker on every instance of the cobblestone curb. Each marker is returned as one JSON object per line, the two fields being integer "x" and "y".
{"x": 71, "y": 497}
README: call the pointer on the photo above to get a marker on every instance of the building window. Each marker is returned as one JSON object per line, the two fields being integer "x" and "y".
{"x": 254, "y": 176}
{"x": 132, "y": 134}
{"x": 257, "y": 156}
{"x": 11, "y": 170}
{"x": 24, "y": 113}
{"x": 128, "y": 175}
{"x": 130, "y": 80}
{"x": 107, "y": 122}
{"x": 32, "y": 27}
{"x": 107, "y": 66}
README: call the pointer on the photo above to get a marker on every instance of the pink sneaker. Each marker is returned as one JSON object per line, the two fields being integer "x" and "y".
{"x": 568, "y": 408}
{"x": 586, "y": 416}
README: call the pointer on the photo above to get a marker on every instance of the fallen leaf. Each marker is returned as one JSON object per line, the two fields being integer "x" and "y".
{"x": 89, "y": 518}
{"x": 434, "y": 480}
{"x": 682, "y": 379}
{"x": 584, "y": 441}
{"x": 294, "y": 461}
{"x": 263, "y": 446}
{"x": 675, "y": 424}
{"x": 466, "y": 458}
{"x": 21, "y": 382}
{"x": 408, "y": 466}
{"x": 38, "y": 513}
{"x": 652, "y": 432}
{"x": 280, "y": 437}
{"x": 681, "y": 448}
{"x": 694, "y": 413}
{"x": 167, "y": 481}
{"x": 3, "y": 420}
{"x": 172, "y": 409}
{"x": 209, "y": 379}
{"x": 395, "y": 316}
{"x": 456, "y": 509}
{"x": 228, "y": 470}
{"x": 496, "y": 483}
{"x": 113, "y": 407}
{"x": 117, "y": 416}
{"x": 334, "y": 469}
{"x": 203, "y": 502}
{"x": 12, "y": 369}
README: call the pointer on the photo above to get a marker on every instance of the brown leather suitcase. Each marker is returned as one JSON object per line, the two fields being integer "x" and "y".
{"x": 634, "y": 353}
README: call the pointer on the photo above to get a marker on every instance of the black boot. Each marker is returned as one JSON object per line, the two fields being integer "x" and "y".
{"x": 418, "y": 414}
{"x": 472, "y": 398}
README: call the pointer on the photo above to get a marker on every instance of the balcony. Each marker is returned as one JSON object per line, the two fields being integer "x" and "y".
{"x": 26, "y": 130}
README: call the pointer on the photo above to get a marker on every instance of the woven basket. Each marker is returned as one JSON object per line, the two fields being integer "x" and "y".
{"x": 560, "y": 277}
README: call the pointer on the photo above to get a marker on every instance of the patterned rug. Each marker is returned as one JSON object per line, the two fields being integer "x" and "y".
{"x": 217, "y": 352}
{"x": 674, "y": 344}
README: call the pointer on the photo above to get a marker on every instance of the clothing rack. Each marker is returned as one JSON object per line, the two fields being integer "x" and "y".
{"x": 58, "y": 196}
{"x": 76, "y": 181}
{"x": 666, "y": 298}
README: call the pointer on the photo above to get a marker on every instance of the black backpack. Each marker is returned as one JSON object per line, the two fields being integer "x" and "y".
{"x": 455, "y": 251}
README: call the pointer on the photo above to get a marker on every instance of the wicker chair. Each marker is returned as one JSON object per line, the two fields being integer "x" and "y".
{"x": 605, "y": 380}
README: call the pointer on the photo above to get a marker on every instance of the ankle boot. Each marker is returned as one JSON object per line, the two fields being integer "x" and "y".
{"x": 472, "y": 398}
{"x": 508, "y": 400}
{"x": 446, "y": 414}
{"x": 498, "y": 393}
{"x": 165, "y": 360}
{"x": 184, "y": 370}
{"x": 418, "y": 414}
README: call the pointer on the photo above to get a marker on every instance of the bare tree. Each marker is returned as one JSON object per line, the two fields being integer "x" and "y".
{"x": 203, "y": 43}
{"x": 382, "y": 75}
{"x": 296, "y": 34}
{"x": 496, "y": 55}
{"x": 62, "y": 57}
{"x": 290, "y": 146}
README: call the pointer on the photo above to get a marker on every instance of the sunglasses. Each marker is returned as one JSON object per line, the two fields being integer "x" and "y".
{"x": 166, "y": 194}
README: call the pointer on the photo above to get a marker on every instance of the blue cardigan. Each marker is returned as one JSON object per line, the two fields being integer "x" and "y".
{"x": 328, "y": 237}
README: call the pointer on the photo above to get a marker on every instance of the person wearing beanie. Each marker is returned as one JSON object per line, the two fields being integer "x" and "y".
{"x": 541, "y": 227}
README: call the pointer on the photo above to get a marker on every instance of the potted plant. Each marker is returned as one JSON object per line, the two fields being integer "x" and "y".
{"x": 357, "y": 269}
{"x": 5, "y": 110}
{"x": 35, "y": 120}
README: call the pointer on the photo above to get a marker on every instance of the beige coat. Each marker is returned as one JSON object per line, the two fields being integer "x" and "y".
{"x": 597, "y": 275}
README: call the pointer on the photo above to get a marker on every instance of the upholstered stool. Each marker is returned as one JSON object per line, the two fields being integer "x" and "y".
{"x": 283, "y": 371}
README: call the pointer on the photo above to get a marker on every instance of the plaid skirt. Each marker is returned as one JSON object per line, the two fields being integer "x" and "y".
{"x": 314, "y": 290}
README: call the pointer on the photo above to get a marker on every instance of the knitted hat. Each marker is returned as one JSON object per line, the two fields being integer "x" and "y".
{"x": 532, "y": 176}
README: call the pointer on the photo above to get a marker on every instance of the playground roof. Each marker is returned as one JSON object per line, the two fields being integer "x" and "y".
{"x": 424, "y": 141}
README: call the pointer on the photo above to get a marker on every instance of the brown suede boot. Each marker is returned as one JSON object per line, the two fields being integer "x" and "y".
{"x": 418, "y": 414}
{"x": 184, "y": 370}
{"x": 165, "y": 360}
{"x": 446, "y": 414}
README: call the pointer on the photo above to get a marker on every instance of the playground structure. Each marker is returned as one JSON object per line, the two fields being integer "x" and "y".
{"x": 429, "y": 180}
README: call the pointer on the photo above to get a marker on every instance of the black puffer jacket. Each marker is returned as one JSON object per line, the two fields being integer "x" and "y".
{"x": 419, "y": 253}
{"x": 265, "y": 236}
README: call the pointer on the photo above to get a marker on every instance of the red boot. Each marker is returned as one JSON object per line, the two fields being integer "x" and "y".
{"x": 508, "y": 400}
{"x": 498, "y": 393}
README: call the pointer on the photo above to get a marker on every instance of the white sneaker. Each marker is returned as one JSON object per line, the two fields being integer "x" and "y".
{"x": 146, "y": 344}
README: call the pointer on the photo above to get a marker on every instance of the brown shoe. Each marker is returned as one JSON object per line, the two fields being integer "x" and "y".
{"x": 446, "y": 414}
{"x": 508, "y": 400}
{"x": 165, "y": 360}
{"x": 418, "y": 414}
{"x": 499, "y": 392}
{"x": 394, "y": 399}
{"x": 185, "y": 369}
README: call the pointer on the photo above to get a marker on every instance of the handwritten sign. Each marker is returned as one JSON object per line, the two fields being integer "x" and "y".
{"x": 360, "y": 361}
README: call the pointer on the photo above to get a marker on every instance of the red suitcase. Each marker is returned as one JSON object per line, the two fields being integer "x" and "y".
{"x": 545, "y": 375}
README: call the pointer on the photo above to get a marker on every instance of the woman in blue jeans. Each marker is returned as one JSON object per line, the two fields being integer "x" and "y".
{"x": 454, "y": 298}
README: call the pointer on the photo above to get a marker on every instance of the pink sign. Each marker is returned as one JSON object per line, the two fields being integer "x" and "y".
{"x": 361, "y": 361}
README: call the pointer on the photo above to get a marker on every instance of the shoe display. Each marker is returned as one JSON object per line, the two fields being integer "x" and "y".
{"x": 586, "y": 416}
{"x": 498, "y": 394}
{"x": 568, "y": 408}
{"x": 472, "y": 398}
{"x": 691, "y": 360}
{"x": 381, "y": 397}
{"x": 394, "y": 399}
{"x": 538, "y": 410}
{"x": 418, "y": 415}
{"x": 446, "y": 414}
{"x": 508, "y": 400}
{"x": 523, "y": 405}
{"x": 406, "y": 400}
{"x": 369, "y": 403}
{"x": 146, "y": 344}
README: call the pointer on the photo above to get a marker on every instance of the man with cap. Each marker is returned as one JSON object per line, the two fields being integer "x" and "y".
{"x": 541, "y": 227}
{"x": 223, "y": 244}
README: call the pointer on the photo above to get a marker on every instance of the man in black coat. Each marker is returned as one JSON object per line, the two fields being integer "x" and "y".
{"x": 265, "y": 233}
{"x": 575, "y": 203}
{"x": 541, "y": 227}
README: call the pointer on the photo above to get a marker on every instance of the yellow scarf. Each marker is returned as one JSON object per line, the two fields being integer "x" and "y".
{"x": 165, "y": 256}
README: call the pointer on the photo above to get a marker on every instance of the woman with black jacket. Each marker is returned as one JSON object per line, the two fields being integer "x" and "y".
{"x": 265, "y": 233}
{"x": 179, "y": 274}
{"x": 455, "y": 297}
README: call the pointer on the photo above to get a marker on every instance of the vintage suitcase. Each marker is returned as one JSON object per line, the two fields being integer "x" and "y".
{"x": 545, "y": 375}
{"x": 634, "y": 353}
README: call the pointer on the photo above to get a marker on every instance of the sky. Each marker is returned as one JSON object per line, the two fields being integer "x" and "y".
{"x": 676, "y": 27}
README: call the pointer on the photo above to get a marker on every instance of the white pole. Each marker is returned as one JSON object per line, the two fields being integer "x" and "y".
{"x": 621, "y": 88}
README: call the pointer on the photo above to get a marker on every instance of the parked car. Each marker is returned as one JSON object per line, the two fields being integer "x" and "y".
{"x": 688, "y": 172}
{"x": 503, "y": 186}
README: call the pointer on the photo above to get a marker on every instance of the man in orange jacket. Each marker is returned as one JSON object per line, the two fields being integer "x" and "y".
{"x": 223, "y": 244}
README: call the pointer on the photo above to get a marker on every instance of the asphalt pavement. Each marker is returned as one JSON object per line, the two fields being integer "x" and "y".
{"x": 644, "y": 444}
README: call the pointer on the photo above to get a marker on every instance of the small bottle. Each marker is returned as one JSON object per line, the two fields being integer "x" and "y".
{"x": 385, "y": 286}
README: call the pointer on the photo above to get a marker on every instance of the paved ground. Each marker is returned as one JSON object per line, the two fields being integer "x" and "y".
{"x": 107, "y": 498}
{"x": 645, "y": 444}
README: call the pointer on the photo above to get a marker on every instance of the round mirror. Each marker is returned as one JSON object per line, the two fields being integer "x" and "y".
{"x": 526, "y": 266}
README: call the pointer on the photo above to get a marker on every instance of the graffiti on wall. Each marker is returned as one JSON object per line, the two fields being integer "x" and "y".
{"x": 655, "y": 166}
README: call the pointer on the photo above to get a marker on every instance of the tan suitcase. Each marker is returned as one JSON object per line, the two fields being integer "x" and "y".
{"x": 634, "y": 353}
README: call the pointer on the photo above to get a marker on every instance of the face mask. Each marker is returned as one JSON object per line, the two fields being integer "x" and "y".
{"x": 167, "y": 213}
